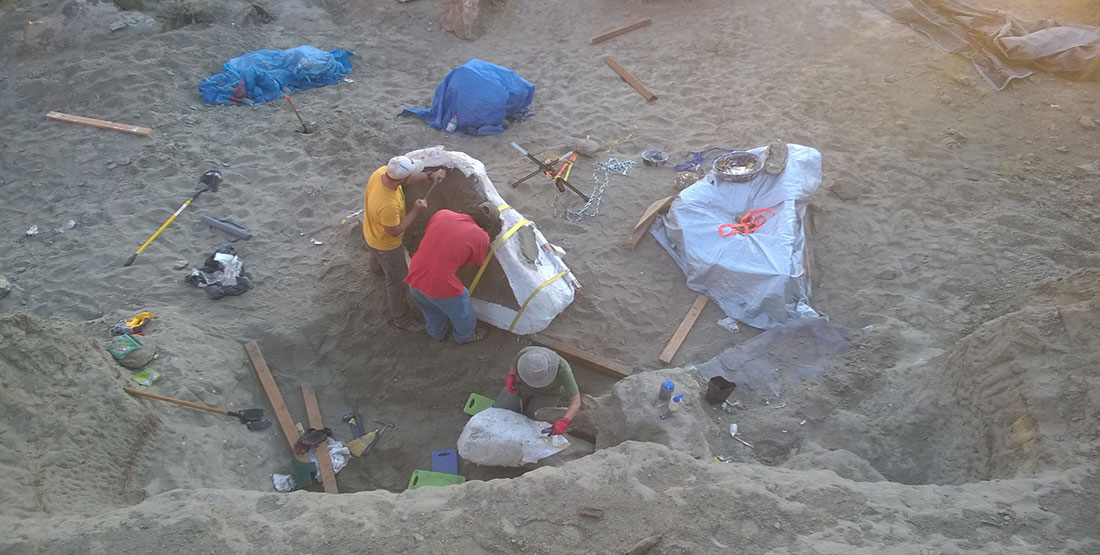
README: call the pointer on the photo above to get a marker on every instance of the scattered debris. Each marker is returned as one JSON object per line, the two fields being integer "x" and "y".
{"x": 644, "y": 545}
{"x": 66, "y": 226}
{"x": 630, "y": 79}
{"x": 316, "y": 242}
{"x": 5, "y": 287}
{"x": 591, "y": 512}
{"x": 116, "y": 26}
{"x": 620, "y": 31}
{"x": 729, "y": 324}
{"x": 31, "y": 231}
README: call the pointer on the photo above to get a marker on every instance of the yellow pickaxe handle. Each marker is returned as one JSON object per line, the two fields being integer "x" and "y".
{"x": 154, "y": 236}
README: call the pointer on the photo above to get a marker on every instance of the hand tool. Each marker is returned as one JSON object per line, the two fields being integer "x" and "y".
{"x": 286, "y": 94}
{"x": 210, "y": 180}
{"x": 253, "y": 418}
{"x": 548, "y": 169}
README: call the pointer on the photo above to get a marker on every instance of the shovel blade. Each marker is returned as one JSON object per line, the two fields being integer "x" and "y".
{"x": 250, "y": 415}
{"x": 258, "y": 424}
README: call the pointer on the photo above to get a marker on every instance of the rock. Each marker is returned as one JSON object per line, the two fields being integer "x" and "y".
{"x": 5, "y": 287}
{"x": 141, "y": 356}
{"x": 1087, "y": 123}
{"x": 1091, "y": 169}
{"x": 116, "y": 26}
{"x": 179, "y": 265}
{"x": 888, "y": 274}
{"x": 587, "y": 147}
{"x": 1062, "y": 149}
{"x": 132, "y": 5}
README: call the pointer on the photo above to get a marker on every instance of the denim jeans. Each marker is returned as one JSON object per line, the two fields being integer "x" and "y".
{"x": 439, "y": 311}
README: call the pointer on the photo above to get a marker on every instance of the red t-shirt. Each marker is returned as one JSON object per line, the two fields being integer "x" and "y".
{"x": 450, "y": 240}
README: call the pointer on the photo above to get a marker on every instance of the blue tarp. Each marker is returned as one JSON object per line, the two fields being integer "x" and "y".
{"x": 482, "y": 95}
{"x": 260, "y": 76}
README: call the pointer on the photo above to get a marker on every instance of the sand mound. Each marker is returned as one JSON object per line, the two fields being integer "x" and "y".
{"x": 644, "y": 490}
{"x": 72, "y": 439}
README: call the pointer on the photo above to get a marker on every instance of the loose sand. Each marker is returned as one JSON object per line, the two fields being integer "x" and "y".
{"x": 952, "y": 220}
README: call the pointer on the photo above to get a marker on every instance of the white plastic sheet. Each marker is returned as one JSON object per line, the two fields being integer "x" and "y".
{"x": 757, "y": 278}
{"x": 523, "y": 277}
{"x": 501, "y": 437}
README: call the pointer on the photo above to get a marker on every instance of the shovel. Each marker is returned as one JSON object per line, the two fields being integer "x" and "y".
{"x": 253, "y": 418}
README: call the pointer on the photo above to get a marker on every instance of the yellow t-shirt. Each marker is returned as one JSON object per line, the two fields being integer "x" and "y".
{"x": 382, "y": 208}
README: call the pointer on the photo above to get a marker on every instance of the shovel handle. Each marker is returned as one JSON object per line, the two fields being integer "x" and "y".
{"x": 207, "y": 408}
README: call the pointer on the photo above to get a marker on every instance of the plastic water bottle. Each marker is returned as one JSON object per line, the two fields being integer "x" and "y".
{"x": 665, "y": 393}
{"x": 674, "y": 405}
{"x": 453, "y": 124}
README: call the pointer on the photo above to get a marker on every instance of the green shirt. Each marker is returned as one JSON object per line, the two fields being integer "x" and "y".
{"x": 564, "y": 386}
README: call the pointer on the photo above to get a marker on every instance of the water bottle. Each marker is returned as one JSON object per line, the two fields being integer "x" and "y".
{"x": 674, "y": 405}
{"x": 453, "y": 124}
{"x": 665, "y": 393}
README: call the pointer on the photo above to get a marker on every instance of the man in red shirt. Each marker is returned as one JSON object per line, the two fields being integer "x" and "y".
{"x": 451, "y": 240}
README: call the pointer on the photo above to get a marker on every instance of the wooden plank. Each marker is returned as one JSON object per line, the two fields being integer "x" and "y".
{"x": 620, "y": 31}
{"x": 638, "y": 86}
{"x": 278, "y": 406}
{"x": 577, "y": 356}
{"x": 102, "y": 124}
{"x": 648, "y": 217}
{"x": 324, "y": 461}
{"x": 685, "y": 327}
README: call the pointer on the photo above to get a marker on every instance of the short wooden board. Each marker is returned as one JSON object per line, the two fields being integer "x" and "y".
{"x": 648, "y": 217}
{"x": 630, "y": 79}
{"x": 324, "y": 461}
{"x": 685, "y": 327}
{"x": 102, "y": 124}
{"x": 578, "y": 356}
{"x": 620, "y": 31}
{"x": 278, "y": 406}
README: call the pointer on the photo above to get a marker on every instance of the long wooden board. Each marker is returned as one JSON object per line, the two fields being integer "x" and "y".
{"x": 685, "y": 327}
{"x": 324, "y": 461}
{"x": 630, "y": 79}
{"x": 578, "y": 356}
{"x": 278, "y": 406}
{"x": 100, "y": 123}
{"x": 647, "y": 219}
{"x": 620, "y": 31}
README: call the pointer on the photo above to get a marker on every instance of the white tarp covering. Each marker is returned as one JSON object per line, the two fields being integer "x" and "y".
{"x": 501, "y": 437}
{"x": 523, "y": 277}
{"x": 758, "y": 278}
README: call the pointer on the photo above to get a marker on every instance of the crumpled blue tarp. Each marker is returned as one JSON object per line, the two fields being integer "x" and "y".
{"x": 264, "y": 73}
{"x": 483, "y": 95}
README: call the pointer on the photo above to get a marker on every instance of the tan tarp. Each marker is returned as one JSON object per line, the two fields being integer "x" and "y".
{"x": 999, "y": 46}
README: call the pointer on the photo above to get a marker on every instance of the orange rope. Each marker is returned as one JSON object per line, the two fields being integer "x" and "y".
{"x": 750, "y": 222}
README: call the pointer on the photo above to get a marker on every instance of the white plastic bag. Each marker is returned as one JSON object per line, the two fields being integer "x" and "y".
{"x": 501, "y": 437}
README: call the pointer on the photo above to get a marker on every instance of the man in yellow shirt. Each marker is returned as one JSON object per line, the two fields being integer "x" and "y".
{"x": 384, "y": 225}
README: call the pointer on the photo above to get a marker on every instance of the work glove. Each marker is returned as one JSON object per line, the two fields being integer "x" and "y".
{"x": 510, "y": 382}
{"x": 559, "y": 427}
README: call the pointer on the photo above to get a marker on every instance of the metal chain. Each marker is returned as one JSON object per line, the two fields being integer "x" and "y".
{"x": 592, "y": 207}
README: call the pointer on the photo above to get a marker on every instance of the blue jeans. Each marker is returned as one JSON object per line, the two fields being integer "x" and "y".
{"x": 438, "y": 312}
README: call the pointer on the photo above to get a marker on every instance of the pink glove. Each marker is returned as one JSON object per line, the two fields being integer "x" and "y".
{"x": 510, "y": 382}
{"x": 559, "y": 427}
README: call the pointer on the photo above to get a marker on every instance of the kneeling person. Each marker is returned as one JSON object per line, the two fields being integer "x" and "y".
{"x": 451, "y": 240}
{"x": 538, "y": 378}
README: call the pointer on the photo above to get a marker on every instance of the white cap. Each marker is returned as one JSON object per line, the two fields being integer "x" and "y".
{"x": 400, "y": 167}
{"x": 538, "y": 366}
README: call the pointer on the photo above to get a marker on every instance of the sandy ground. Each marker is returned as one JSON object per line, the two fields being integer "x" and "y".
{"x": 951, "y": 220}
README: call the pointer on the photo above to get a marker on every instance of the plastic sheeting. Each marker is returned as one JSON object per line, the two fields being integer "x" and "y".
{"x": 1000, "y": 47}
{"x": 483, "y": 96}
{"x": 264, "y": 73}
{"x": 500, "y": 437}
{"x": 757, "y": 278}
{"x": 523, "y": 277}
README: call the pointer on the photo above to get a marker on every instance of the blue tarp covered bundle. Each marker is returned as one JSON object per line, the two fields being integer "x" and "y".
{"x": 482, "y": 95}
{"x": 260, "y": 76}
